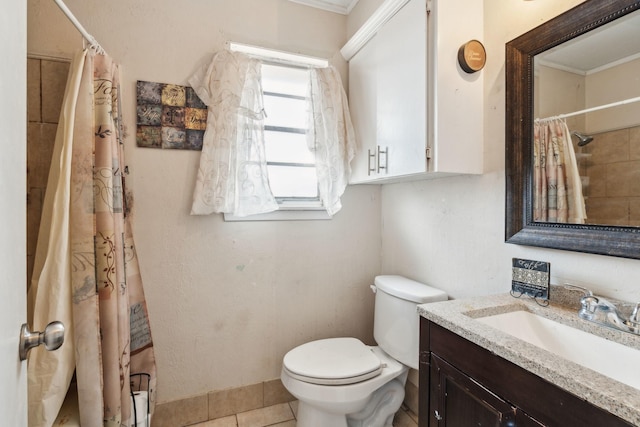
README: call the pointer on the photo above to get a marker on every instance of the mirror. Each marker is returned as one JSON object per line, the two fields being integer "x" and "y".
{"x": 531, "y": 94}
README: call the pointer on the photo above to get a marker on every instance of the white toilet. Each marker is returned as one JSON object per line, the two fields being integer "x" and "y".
{"x": 342, "y": 382}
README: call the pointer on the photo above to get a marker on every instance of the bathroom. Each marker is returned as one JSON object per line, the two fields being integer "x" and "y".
{"x": 228, "y": 299}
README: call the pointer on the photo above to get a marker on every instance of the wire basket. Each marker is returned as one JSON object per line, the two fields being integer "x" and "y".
{"x": 140, "y": 396}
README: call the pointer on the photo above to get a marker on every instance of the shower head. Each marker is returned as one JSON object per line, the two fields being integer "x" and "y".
{"x": 583, "y": 139}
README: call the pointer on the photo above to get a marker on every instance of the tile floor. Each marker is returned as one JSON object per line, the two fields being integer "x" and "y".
{"x": 283, "y": 415}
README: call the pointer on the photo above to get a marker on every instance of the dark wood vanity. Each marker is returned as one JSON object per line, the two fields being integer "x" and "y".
{"x": 470, "y": 386}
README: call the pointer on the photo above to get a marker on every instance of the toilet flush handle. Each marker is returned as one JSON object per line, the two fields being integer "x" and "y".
{"x": 374, "y": 289}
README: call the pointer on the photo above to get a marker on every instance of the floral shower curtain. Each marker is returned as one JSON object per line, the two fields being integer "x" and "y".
{"x": 557, "y": 188}
{"x": 86, "y": 270}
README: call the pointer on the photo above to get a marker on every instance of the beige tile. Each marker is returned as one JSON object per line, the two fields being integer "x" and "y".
{"x": 220, "y": 422}
{"x": 291, "y": 423}
{"x": 412, "y": 415}
{"x": 597, "y": 181}
{"x": 294, "y": 408}
{"x": 634, "y": 209}
{"x": 182, "y": 412}
{"x": 34, "y": 112}
{"x": 41, "y": 138}
{"x": 610, "y": 147}
{"x": 402, "y": 419}
{"x": 603, "y": 210}
{"x": 265, "y": 416}
{"x": 275, "y": 392}
{"x": 411, "y": 396}
{"x": 623, "y": 179}
{"x": 54, "y": 81}
{"x": 634, "y": 143}
{"x": 34, "y": 212}
{"x": 235, "y": 400}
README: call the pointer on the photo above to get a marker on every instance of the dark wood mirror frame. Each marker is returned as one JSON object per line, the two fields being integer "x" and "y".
{"x": 520, "y": 228}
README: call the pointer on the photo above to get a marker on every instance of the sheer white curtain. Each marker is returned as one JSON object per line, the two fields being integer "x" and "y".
{"x": 331, "y": 136}
{"x": 232, "y": 177}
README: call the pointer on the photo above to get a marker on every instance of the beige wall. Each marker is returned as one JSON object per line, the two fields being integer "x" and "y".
{"x": 450, "y": 232}
{"x": 549, "y": 82}
{"x": 611, "y": 85}
{"x": 226, "y": 300}
{"x": 586, "y": 91}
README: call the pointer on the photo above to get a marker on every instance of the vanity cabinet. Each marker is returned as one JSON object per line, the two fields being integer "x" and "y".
{"x": 468, "y": 385}
{"x": 416, "y": 113}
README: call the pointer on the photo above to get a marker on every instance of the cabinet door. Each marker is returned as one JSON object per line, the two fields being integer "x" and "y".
{"x": 401, "y": 52}
{"x": 462, "y": 402}
{"x": 362, "y": 105}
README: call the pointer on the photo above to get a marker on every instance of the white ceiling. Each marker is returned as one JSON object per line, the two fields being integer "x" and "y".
{"x": 338, "y": 6}
{"x": 606, "y": 46}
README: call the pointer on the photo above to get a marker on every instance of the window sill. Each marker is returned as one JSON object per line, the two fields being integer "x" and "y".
{"x": 284, "y": 214}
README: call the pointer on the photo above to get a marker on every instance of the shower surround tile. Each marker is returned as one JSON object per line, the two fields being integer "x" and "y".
{"x": 34, "y": 112}
{"x": 613, "y": 181}
{"x": 54, "y": 83}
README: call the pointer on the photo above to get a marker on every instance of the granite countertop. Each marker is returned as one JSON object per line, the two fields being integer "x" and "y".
{"x": 602, "y": 391}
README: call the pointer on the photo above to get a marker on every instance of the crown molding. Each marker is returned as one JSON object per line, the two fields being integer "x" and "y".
{"x": 343, "y": 7}
{"x": 371, "y": 27}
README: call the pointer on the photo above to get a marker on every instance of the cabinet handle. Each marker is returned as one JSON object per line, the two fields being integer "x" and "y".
{"x": 369, "y": 168}
{"x": 437, "y": 415}
{"x": 386, "y": 158}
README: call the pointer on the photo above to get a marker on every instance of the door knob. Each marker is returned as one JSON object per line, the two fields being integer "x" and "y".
{"x": 52, "y": 338}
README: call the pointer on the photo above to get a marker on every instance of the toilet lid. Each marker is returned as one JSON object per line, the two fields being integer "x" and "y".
{"x": 334, "y": 361}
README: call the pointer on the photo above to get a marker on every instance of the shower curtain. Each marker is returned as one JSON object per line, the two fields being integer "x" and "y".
{"x": 86, "y": 269}
{"x": 557, "y": 188}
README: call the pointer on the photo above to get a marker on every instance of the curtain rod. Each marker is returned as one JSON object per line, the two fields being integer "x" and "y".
{"x": 592, "y": 109}
{"x": 88, "y": 37}
{"x": 279, "y": 55}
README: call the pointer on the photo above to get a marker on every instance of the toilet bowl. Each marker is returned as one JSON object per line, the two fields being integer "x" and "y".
{"x": 341, "y": 382}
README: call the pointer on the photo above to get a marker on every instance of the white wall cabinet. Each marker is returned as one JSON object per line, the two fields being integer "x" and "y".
{"x": 416, "y": 113}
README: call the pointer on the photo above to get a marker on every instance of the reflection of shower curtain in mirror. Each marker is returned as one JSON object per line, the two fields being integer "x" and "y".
{"x": 86, "y": 269}
{"x": 557, "y": 189}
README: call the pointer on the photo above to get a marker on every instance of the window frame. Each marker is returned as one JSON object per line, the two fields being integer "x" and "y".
{"x": 289, "y": 208}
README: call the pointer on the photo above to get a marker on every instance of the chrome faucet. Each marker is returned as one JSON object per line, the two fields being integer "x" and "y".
{"x": 599, "y": 310}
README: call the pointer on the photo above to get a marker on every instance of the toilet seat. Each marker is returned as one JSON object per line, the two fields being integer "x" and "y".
{"x": 333, "y": 361}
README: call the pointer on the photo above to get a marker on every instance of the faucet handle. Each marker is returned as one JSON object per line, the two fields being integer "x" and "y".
{"x": 589, "y": 304}
{"x": 587, "y": 292}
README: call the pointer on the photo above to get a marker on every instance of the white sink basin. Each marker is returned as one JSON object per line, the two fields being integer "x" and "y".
{"x": 609, "y": 358}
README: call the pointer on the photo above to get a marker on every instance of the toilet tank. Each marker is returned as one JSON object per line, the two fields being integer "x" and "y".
{"x": 396, "y": 324}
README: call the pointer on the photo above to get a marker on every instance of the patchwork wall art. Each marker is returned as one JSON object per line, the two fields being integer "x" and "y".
{"x": 169, "y": 116}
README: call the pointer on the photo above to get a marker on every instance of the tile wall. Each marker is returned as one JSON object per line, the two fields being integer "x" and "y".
{"x": 223, "y": 404}
{"x": 612, "y": 162}
{"x": 219, "y": 404}
{"x": 46, "y": 81}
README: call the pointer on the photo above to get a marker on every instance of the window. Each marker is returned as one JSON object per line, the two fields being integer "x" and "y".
{"x": 290, "y": 163}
